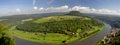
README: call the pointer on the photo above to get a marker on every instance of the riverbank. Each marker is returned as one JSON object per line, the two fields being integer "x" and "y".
{"x": 112, "y": 38}
{"x": 28, "y": 36}
{"x": 62, "y": 29}
{"x": 94, "y": 39}
{"x": 89, "y": 41}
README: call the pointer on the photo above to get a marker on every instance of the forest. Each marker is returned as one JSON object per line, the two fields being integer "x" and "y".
{"x": 5, "y": 37}
{"x": 63, "y": 26}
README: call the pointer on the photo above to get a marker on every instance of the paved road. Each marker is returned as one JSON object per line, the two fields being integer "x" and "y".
{"x": 89, "y": 41}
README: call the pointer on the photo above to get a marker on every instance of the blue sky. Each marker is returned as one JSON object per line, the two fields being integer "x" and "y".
{"x": 13, "y": 5}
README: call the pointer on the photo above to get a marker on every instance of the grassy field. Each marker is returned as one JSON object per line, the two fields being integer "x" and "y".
{"x": 50, "y": 37}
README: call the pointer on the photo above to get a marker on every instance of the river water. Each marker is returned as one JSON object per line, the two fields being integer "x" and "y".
{"x": 89, "y": 41}
{"x": 94, "y": 39}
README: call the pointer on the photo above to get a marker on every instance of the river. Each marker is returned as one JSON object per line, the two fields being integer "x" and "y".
{"x": 89, "y": 41}
{"x": 94, "y": 39}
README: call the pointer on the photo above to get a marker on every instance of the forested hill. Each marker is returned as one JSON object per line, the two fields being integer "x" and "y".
{"x": 5, "y": 37}
{"x": 73, "y": 24}
{"x": 77, "y": 13}
{"x": 61, "y": 24}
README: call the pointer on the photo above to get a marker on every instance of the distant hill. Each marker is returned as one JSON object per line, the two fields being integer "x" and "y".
{"x": 74, "y": 13}
{"x": 77, "y": 13}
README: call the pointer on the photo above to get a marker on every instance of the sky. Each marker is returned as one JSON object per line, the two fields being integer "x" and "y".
{"x": 14, "y": 7}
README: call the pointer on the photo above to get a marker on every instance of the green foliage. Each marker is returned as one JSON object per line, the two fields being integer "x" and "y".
{"x": 2, "y": 30}
{"x": 60, "y": 24}
{"x": 5, "y": 39}
{"x": 79, "y": 30}
{"x": 2, "y": 19}
{"x": 114, "y": 41}
{"x": 57, "y": 29}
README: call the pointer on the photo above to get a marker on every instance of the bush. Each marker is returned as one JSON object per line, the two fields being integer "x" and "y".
{"x": 5, "y": 38}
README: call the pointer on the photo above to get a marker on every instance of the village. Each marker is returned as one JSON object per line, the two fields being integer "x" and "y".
{"x": 110, "y": 36}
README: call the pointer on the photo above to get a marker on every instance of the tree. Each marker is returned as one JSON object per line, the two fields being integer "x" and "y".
{"x": 64, "y": 42}
{"x": 44, "y": 35}
{"x": 5, "y": 38}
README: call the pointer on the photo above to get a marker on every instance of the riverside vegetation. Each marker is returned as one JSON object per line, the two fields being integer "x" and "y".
{"x": 5, "y": 37}
{"x": 57, "y": 29}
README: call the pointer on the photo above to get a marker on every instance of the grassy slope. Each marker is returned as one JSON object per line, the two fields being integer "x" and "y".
{"x": 52, "y": 37}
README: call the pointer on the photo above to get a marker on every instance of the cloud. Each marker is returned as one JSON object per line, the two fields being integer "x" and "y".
{"x": 35, "y": 8}
{"x": 64, "y": 8}
{"x": 18, "y": 10}
{"x": 55, "y": 9}
{"x": 105, "y": 11}
{"x": 41, "y": 8}
{"x": 81, "y": 9}
{"x": 93, "y": 10}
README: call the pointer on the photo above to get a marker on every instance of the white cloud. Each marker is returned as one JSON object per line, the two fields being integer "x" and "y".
{"x": 81, "y": 9}
{"x": 35, "y": 8}
{"x": 55, "y": 9}
{"x": 18, "y": 10}
{"x": 105, "y": 11}
{"x": 41, "y": 9}
{"x": 64, "y": 8}
{"x": 93, "y": 10}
